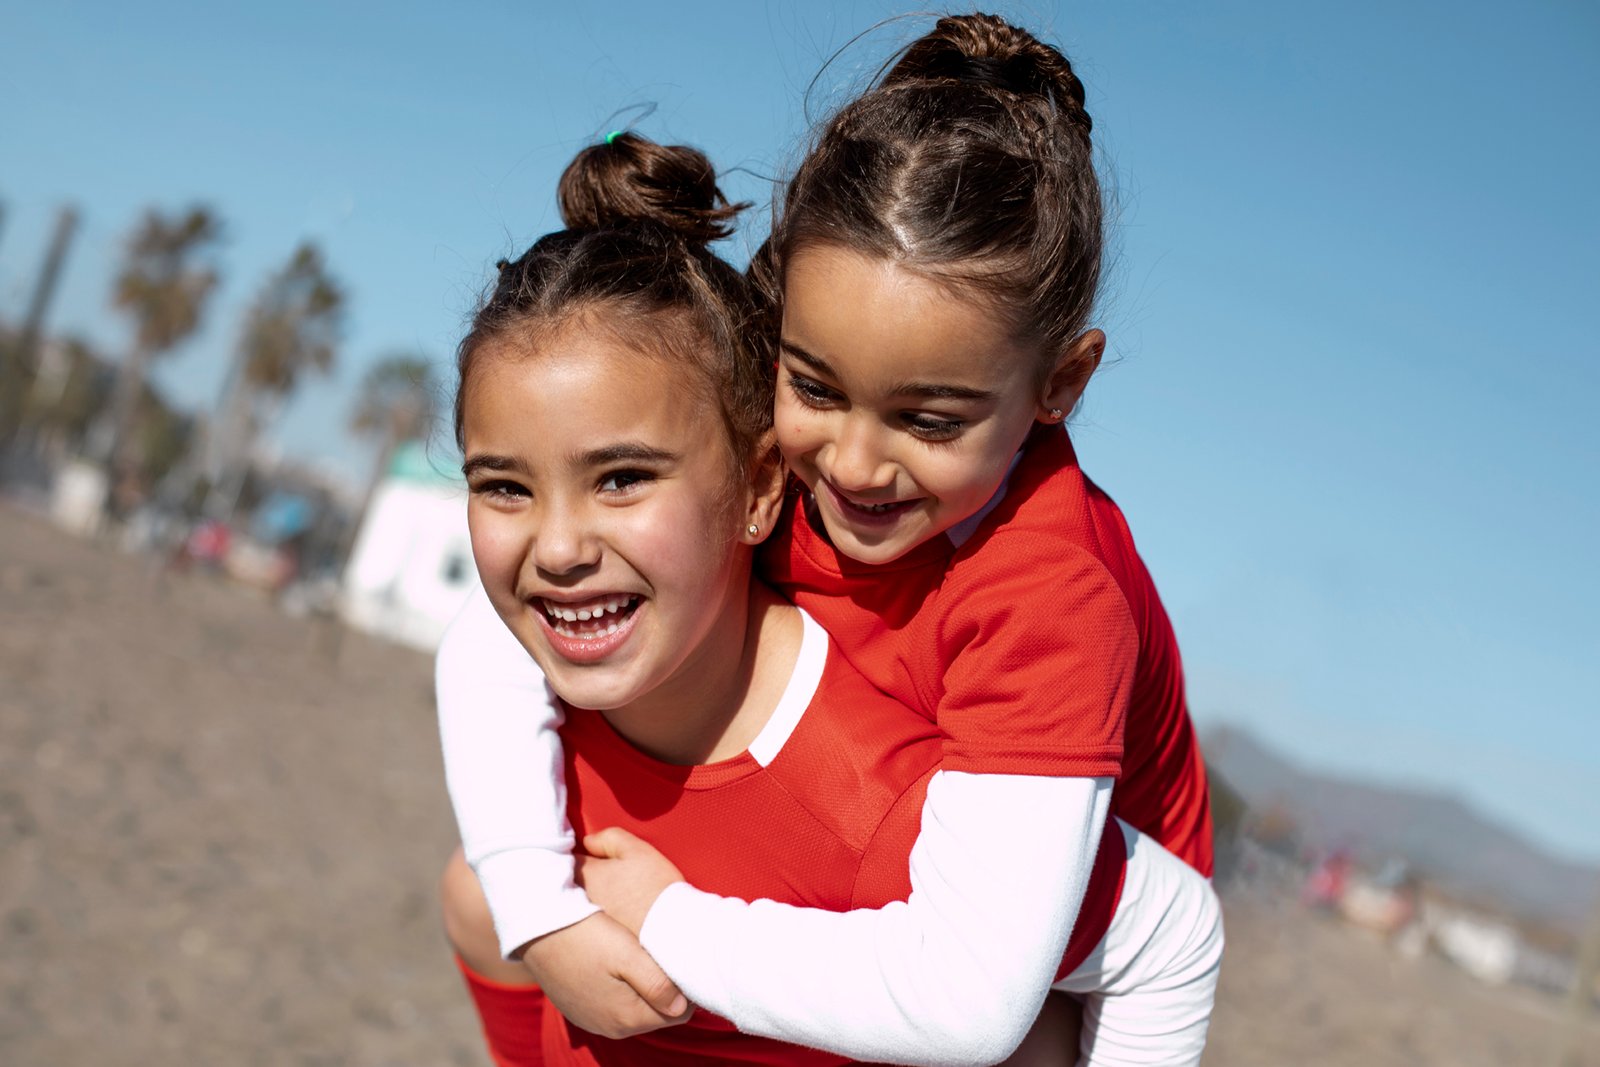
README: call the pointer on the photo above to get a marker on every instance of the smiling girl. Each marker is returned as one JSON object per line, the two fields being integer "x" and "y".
{"x": 936, "y": 260}
{"x": 704, "y": 710}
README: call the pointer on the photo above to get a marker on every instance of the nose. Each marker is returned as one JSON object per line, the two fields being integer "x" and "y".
{"x": 565, "y": 541}
{"x": 856, "y": 461}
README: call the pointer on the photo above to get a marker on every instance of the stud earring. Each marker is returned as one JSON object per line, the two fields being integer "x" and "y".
{"x": 1055, "y": 414}
{"x": 752, "y": 529}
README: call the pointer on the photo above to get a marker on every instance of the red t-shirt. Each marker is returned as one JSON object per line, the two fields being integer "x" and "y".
{"x": 828, "y": 822}
{"x": 1038, "y": 646}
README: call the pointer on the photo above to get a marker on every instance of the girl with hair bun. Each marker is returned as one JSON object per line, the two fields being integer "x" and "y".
{"x": 935, "y": 261}
{"x": 614, "y": 417}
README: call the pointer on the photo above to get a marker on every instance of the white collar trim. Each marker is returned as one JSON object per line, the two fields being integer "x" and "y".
{"x": 797, "y": 695}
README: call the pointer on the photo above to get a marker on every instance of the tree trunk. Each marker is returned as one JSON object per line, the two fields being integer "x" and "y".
{"x": 116, "y": 440}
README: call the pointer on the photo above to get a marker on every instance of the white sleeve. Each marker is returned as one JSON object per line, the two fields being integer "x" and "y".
{"x": 503, "y": 767}
{"x": 953, "y": 975}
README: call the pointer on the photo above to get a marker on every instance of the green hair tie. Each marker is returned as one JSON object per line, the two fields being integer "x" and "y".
{"x": 611, "y": 138}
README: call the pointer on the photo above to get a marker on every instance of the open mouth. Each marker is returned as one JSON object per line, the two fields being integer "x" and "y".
{"x": 589, "y": 620}
{"x": 870, "y": 513}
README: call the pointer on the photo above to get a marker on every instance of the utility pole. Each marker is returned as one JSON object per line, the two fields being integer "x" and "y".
{"x": 38, "y": 306}
{"x": 45, "y": 287}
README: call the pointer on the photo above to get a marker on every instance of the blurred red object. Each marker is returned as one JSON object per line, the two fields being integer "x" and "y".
{"x": 208, "y": 543}
{"x": 1325, "y": 885}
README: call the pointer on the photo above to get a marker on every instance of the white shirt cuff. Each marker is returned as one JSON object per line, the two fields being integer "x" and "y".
{"x": 521, "y": 915}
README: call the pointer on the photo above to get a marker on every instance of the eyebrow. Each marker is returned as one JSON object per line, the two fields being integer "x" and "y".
{"x": 626, "y": 452}
{"x": 622, "y": 452}
{"x": 921, "y": 390}
{"x": 816, "y": 363}
{"x": 474, "y": 464}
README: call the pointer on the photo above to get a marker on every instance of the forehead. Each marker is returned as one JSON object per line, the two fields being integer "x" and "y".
{"x": 574, "y": 386}
{"x": 872, "y": 316}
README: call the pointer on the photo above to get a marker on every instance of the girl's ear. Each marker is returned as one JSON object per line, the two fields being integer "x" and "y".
{"x": 768, "y": 476}
{"x": 1078, "y": 360}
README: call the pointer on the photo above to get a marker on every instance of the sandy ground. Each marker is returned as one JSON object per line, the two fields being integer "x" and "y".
{"x": 220, "y": 829}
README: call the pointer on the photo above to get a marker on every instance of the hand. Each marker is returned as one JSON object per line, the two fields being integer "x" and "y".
{"x": 596, "y": 974}
{"x": 624, "y": 875}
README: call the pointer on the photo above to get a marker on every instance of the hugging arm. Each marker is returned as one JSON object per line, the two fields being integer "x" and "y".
{"x": 955, "y": 974}
{"x": 504, "y": 769}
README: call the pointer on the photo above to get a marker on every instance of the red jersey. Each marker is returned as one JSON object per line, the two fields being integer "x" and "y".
{"x": 1038, "y": 645}
{"x": 825, "y": 818}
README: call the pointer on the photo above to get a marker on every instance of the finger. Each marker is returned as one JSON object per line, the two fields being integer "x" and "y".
{"x": 653, "y": 986}
{"x": 628, "y": 1017}
{"x": 612, "y": 842}
{"x": 637, "y": 1018}
{"x": 581, "y": 865}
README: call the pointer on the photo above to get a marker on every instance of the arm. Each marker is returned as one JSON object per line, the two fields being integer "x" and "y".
{"x": 503, "y": 768}
{"x": 953, "y": 975}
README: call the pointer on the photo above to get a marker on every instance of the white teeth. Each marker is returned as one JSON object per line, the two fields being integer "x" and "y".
{"x": 595, "y": 611}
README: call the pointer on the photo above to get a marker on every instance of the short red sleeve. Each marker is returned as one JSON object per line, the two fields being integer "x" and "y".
{"x": 1041, "y": 650}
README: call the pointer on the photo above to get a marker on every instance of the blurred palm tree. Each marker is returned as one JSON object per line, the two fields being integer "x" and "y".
{"x": 163, "y": 286}
{"x": 292, "y": 327}
{"x": 397, "y": 402}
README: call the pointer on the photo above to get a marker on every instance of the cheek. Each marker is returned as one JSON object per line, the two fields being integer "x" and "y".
{"x": 497, "y": 546}
{"x": 963, "y": 481}
{"x": 800, "y": 431}
{"x": 686, "y": 546}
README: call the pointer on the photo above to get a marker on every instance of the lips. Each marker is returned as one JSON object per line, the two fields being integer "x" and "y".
{"x": 864, "y": 513}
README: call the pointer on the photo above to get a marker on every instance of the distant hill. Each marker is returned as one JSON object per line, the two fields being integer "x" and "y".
{"x": 1440, "y": 836}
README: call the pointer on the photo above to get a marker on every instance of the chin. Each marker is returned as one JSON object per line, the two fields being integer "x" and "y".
{"x": 875, "y": 553}
{"x": 597, "y": 688}
{"x": 602, "y": 697}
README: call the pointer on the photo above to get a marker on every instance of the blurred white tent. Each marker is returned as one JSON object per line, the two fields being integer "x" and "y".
{"x": 411, "y": 567}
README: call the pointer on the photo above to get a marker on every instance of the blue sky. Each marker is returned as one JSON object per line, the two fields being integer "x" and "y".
{"x": 1349, "y": 411}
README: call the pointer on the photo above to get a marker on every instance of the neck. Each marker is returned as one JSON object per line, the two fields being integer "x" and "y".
{"x": 716, "y": 704}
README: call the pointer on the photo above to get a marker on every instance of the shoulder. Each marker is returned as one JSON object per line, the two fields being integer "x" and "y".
{"x": 1055, "y": 536}
{"x": 1040, "y": 577}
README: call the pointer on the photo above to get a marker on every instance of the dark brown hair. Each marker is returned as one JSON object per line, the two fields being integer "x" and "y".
{"x": 969, "y": 162}
{"x": 634, "y": 257}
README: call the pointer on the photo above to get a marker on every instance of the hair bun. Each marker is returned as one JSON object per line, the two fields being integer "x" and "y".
{"x": 987, "y": 50}
{"x": 628, "y": 178}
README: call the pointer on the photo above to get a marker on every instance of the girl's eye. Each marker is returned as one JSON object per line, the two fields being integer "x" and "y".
{"x": 625, "y": 481}
{"x": 500, "y": 492}
{"x": 812, "y": 393}
{"x": 933, "y": 428}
